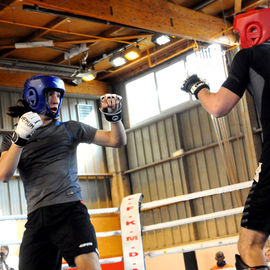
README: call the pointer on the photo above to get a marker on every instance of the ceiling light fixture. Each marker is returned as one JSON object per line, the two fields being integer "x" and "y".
{"x": 89, "y": 77}
{"x": 161, "y": 39}
{"x": 87, "y": 74}
{"x": 132, "y": 53}
{"x": 117, "y": 60}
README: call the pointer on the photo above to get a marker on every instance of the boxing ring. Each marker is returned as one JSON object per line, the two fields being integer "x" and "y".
{"x": 132, "y": 230}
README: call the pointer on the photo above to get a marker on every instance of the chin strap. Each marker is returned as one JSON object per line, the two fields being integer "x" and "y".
{"x": 240, "y": 265}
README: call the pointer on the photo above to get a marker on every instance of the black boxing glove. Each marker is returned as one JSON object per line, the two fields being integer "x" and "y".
{"x": 194, "y": 85}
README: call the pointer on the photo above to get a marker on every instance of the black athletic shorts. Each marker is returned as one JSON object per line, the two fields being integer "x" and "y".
{"x": 53, "y": 232}
{"x": 256, "y": 214}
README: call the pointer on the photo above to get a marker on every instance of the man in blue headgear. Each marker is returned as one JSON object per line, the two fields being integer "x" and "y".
{"x": 249, "y": 70}
{"x": 44, "y": 151}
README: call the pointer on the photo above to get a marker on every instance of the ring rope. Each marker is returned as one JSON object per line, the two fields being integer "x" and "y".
{"x": 108, "y": 234}
{"x": 195, "y": 195}
{"x": 192, "y": 247}
{"x": 158, "y": 203}
{"x": 102, "y": 261}
{"x": 179, "y": 222}
{"x": 170, "y": 224}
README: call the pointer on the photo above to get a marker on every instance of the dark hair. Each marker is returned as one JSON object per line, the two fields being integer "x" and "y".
{"x": 19, "y": 109}
{"x": 6, "y": 248}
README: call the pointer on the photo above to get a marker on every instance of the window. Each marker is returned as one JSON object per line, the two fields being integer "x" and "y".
{"x": 208, "y": 65}
{"x": 142, "y": 99}
{"x": 169, "y": 80}
{"x": 159, "y": 90}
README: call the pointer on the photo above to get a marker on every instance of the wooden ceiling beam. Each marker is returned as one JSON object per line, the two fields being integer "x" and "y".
{"x": 5, "y": 3}
{"x": 142, "y": 64}
{"x": 107, "y": 33}
{"x": 237, "y": 6}
{"x": 245, "y": 6}
{"x": 157, "y": 16}
{"x": 36, "y": 34}
{"x": 93, "y": 88}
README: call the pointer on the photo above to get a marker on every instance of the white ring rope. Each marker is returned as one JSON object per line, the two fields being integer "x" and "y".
{"x": 111, "y": 260}
{"x": 179, "y": 222}
{"x": 107, "y": 234}
{"x": 158, "y": 203}
{"x": 13, "y": 217}
{"x": 10, "y": 243}
{"x": 196, "y": 195}
{"x": 102, "y": 261}
{"x": 103, "y": 211}
{"x": 90, "y": 211}
{"x": 196, "y": 246}
{"x": 170, "y": 224}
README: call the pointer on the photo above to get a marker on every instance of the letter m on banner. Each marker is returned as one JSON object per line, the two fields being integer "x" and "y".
{"x": 132, "y": 232}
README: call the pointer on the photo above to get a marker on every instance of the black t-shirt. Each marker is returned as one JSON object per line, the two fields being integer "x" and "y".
{"x": 251, "y": 70}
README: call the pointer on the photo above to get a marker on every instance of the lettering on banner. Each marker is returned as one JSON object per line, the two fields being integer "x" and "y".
{"x": 133, "y": 254}
{"x": 132, "y": 238}
{"x": 130, "y": 222}
{"x": 131, "y": 233}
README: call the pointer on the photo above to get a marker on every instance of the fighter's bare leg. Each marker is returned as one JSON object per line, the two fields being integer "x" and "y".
{"x": 89, "y": 261}
{"x": 250, "y": 246}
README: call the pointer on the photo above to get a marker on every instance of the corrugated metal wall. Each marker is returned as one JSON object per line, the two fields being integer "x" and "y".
{"x": 154, "y": 173}
{"x": 96, "y": 191}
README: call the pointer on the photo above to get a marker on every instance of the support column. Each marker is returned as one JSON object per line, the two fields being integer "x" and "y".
{"x": 190, "y": 260}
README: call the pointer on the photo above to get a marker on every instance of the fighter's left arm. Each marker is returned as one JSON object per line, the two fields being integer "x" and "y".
{"x": 111, "y": 107}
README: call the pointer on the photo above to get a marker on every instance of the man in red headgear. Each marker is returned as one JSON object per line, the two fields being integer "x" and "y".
{"x": 253, "y": 26}
{"x": 250, "y": 70}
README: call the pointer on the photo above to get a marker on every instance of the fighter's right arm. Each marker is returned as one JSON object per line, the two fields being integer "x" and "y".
{"x": 218, "y": 104}
{"x": 25, "y": 128}
{"x": 9, "y": 161}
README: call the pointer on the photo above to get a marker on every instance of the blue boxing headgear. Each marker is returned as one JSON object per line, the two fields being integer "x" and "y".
{"x": 34, "y": 93}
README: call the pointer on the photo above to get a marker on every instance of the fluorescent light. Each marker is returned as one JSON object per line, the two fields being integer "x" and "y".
{"x": 89, "y": 77}
{"x": 132, "y": 53}
{"x": 21, "y": 45}
{"x": 161, "y": 39}
{"x": 118, "y": 61}
{"x": 122, "y": 57}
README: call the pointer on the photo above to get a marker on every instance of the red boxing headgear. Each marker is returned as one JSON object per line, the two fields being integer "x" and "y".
{"x": 253, "y": 26}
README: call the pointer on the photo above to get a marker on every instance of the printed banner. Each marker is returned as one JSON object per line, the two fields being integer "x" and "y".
{"x": 131, "y": 232}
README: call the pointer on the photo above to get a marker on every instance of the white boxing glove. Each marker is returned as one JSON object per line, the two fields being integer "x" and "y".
{"x": 25, "y": 128}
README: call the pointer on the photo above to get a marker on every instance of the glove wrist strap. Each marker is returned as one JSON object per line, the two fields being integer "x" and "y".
{"x": 198, "y": 87}
{"x": 16, "y": 139}
{"x": 113, "y": 117}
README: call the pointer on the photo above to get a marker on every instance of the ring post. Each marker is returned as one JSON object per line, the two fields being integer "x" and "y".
{"x": 132, "y": 232}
